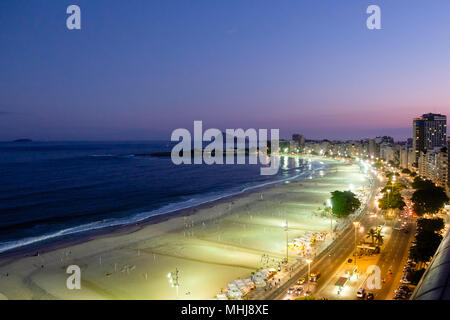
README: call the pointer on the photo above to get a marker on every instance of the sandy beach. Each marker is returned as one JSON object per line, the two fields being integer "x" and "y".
{"x": 210, "y": 245}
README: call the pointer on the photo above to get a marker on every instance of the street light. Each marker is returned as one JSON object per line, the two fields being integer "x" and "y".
{"x": 356, "y": 224}
{"x": 285, "y": 226}
{"x": 309, "y": 270}
{"x": 330, "y": 205}
{"x": 173, "y": 279}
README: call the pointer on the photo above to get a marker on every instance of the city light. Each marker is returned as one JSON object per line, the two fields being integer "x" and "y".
{"x": 198, "y": 202}
{"x": 329, "y": 203}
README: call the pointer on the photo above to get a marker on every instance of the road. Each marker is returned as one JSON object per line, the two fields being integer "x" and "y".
{"x": 393, "y": 258}
{"x": 332, "y": 264}
{"x": 331, "y": 258}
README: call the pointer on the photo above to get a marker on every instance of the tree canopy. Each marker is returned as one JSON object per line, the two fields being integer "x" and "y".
{"x": 396, "y": 187}
{"x": 428, "y": 198}
{"x": 393, "y": 200}
{"x": 415, "y": 276}
{"x": 432, "y": 225}
{"x": 344, "y": 203}
{"x": 393, "y": 163}
{"x": 425, "y": 246}
{"x": 427, "y": 239}
{"x": 419, "y": 183}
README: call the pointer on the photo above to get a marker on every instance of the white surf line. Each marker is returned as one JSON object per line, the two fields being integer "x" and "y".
{"x": 97, "y": 225}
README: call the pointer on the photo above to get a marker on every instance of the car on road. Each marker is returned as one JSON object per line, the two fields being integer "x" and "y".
{"x": 402, "y": 293}
{"x": 405, "y": 288}
{"x": 301, "y": 281}
{"x": 314, "y": 276}
{"x": 405, "y": 280}
{"x": 290, "y": 291}
{"x": 299, "y": 291}
{"x": 370, "y": 296}
{"x": 361, "y": 293}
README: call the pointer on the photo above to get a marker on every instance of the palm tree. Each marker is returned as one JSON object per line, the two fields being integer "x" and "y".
{"x": 371, "y": 234}
{"x": 379, "y": 237}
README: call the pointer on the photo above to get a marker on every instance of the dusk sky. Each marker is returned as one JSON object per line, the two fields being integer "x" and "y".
{"x": 139, "y": 69}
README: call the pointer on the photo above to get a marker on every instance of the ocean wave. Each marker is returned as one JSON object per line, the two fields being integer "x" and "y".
{"x": 112, "y": 155}
{"x": 140, "y": 217}
{"x": 102, "y": 155}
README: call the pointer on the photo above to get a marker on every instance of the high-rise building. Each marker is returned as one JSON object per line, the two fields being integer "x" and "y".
{"x": 406, "y": 156}
{"x": 390, "y": 152}
{"x": 433, "y": 165}
{"x": 448, "y": 167}
{"x": 429, "y": 132}
{"x": 411, "y": 159}
{"x": 299, "y": 139}
{"x": 374, "y": 149}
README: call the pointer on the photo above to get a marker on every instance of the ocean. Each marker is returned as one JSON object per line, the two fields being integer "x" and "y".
{"x": 50, "y": 190}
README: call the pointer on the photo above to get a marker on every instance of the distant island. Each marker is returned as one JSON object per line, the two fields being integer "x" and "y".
{"x": 23, "y": 140}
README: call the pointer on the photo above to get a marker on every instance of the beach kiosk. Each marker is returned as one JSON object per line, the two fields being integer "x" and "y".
{"x": 241, "y": 286}
{"x": 234, "y": 294}
{"x": 266, "y": 273}
{"x": 351, "y": 270}
{"x": 341, "y": 282}
{"x": 272, "y": 271}
{"x": 233, "y": 291}
{"x": 249, "y": 283}
{"x": 259, "y": 279}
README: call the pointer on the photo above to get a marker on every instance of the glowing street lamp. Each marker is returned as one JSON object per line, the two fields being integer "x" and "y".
{"x": 173, "y": 279}
{"x": 309, "y": 270}
{"x": 285, "y": 226}
{"x": 330, "y": 205}
{"x": 356, "y": 224}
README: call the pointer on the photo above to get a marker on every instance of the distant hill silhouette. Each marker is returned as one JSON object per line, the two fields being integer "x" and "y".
{"x": 23, "y": 140}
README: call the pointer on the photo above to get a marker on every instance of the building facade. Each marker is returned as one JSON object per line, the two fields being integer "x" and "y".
{"x": 429, "y": 132}
{"x": 433, "y": 165}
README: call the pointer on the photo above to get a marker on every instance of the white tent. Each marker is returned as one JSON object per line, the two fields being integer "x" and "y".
{"x": 249, "y": 283}
{"x": 234, "y": 294}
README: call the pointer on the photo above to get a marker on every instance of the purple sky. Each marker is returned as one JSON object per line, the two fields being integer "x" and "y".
{"x": 140, "y": 69}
